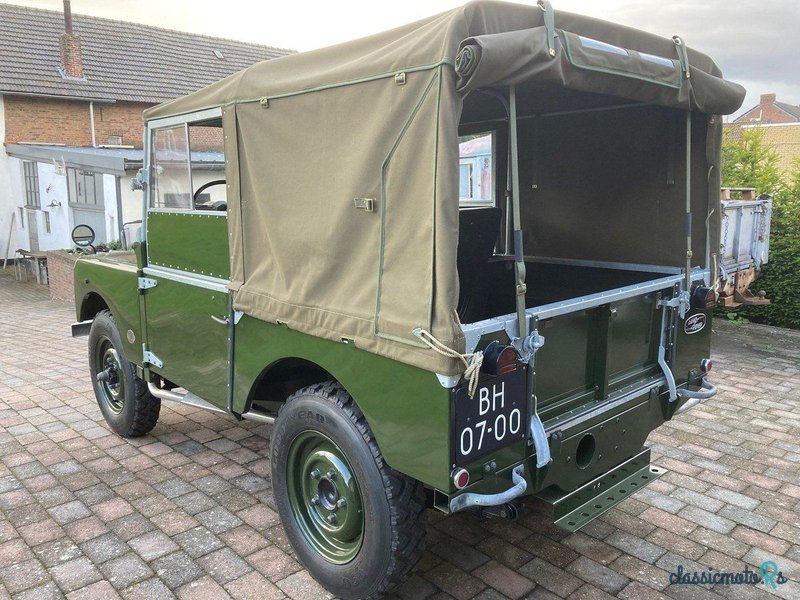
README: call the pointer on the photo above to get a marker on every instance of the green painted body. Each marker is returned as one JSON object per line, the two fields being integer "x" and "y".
{"x": 406, "y": 407}
{"x": 590, "y": 358}
{"x": 181, "y": 332}
{"x": 594, "y": 375}
{"x": 195, "y": 242}
{"x": 114, "y": 279}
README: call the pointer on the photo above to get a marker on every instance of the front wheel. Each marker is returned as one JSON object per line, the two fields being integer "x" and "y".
{"x": 129, "y": 409}
{"x": 353, "y": 521}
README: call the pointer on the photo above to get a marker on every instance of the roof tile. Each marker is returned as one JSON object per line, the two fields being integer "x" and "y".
{"x": 122, "y": 61}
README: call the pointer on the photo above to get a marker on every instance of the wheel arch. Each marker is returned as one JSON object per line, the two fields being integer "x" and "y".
{"x": 282, "y": 378}
{"x": 92, "y": 303}
{"x": 406, "y": 407}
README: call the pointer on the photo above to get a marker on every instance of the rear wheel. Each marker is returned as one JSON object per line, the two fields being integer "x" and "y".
{"x": 353, "y": 521}
{"x": 128, "y": 407}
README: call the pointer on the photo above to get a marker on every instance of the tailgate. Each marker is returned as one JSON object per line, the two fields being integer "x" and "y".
{"x": 591, "y": 354}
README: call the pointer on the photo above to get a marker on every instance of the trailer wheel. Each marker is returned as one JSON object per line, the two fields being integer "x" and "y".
{"x": 128, "y": 407}
{"x": 353, "y": 521}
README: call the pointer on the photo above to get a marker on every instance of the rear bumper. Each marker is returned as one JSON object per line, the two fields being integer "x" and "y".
{"x": 584, "y": 447}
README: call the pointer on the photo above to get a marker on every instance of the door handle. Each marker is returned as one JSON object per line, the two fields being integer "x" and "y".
{"x": 220, "y": 320}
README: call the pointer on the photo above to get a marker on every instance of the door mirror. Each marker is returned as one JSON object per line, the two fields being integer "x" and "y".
{"x": 83, "y": 236}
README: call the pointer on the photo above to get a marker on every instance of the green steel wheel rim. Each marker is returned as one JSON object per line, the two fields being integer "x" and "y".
{"x": 325, "y": 497}
{"x": 110, "y": 376}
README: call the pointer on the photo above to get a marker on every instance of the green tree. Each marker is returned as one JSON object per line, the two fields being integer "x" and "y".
{"x": 748, "y": 162}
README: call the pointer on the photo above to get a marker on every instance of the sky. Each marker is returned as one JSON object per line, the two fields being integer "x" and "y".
{"x": 755, "y": 42}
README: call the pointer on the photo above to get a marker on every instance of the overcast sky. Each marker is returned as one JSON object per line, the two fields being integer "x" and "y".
{"x": 755, "y": 42}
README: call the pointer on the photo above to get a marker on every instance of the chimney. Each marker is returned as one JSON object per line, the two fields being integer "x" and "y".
{"x": 767, "y": 100}
{"x": 70, "y": 44}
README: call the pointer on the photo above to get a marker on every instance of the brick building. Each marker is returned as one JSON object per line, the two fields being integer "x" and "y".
{"x": 72, "y": 92}
{"x": 770, "y": 111}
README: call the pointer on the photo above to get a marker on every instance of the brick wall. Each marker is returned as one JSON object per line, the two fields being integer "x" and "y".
{"x": 60, "y": 266}
{"x": 53, "y": 121}
{"x": 766, "y": 112}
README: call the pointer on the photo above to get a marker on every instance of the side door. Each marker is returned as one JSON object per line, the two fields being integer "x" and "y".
{"x": 186, "y": 297}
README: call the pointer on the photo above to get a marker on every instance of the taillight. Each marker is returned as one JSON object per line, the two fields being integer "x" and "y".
{"x": 460, "y": 478}
{"x": 499, "y": 359}
{"x": 703, "y": 298}
{"x": 706, "y": 365}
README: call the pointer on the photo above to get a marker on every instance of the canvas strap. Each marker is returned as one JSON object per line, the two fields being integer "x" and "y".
{"x": 683, "y": 55}
{"x": 472, "y": 362}
{"x": 549, "y": 25}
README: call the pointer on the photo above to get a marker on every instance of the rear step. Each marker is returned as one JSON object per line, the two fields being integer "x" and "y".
{"x": 573, "y": 510}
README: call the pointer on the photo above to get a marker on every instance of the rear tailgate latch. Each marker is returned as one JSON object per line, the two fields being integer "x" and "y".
{"x": 680, "y": 301}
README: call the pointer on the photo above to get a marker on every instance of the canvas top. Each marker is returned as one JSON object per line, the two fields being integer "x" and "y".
{"x": 437, "y": 40}
{"x": 307, "y": 135}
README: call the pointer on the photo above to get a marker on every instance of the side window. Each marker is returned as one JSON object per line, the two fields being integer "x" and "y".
{"x": 208, "y": 165}
{"x": 170, "y": 163}
{"x": 31, "y": 176}
{"x": 188, "y": 166}
{"x": 476, "y": 169}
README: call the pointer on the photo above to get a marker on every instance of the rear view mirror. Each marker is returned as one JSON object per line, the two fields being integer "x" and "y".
{"x": 83, "y": 236}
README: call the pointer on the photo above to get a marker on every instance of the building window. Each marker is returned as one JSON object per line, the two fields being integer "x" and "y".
{"x": 476, "y": 170}
{"x": 85, "y": 189}
{"x": 31, "y": 175}
{"x": 47, "y": 222}
{"x": 22, "y": 217}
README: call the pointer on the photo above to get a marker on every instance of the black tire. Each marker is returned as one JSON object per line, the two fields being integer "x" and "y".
{"x": 392, "y": 539}
{"x": 128, "y": 407}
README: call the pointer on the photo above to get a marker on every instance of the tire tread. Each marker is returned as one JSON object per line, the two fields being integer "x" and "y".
{"x": 406, "y": 496}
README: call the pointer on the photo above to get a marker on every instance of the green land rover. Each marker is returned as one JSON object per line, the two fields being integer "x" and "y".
{"x": 460, "y": 264}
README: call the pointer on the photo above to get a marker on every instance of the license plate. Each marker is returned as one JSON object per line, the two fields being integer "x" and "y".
{"x": 496, "y": 416}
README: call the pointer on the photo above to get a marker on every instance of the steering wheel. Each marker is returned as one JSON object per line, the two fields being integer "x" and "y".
{"x": 204, "y": 187}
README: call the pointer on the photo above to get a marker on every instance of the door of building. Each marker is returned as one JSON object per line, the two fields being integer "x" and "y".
{"x": 86, "y": 201}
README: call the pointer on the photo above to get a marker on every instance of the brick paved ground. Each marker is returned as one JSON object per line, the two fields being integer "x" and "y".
{"x": 188, "y": 510}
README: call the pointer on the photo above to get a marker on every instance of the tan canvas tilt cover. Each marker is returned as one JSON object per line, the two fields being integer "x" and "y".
{"x": 377, "y": 118}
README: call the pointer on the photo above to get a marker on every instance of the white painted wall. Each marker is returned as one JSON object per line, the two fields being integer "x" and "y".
{"x": 52, "y": 191}
{"x": 110, "y": 199}
{"x": 55, "y": 202}
{"x": 7, "y": 201}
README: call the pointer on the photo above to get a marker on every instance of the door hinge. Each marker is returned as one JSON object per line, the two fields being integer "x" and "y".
{"x": 150, "y": 359}
{"x": 145, "y": 283}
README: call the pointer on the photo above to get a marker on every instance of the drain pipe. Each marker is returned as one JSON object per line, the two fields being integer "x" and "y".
{"x": 91, "y": 119}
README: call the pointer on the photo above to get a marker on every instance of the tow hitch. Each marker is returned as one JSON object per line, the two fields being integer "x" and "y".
{"x": 475, "y": 500}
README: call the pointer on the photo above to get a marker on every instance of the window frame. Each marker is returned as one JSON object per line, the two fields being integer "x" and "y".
{"x": 30, "y": 182}
{"x": 475, "y": 168}
{"x": 78, "y": 176}
{"x": 186, "y": 121}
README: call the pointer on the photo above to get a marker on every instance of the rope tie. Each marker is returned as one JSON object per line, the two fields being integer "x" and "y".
{"x": 472, "y": 362}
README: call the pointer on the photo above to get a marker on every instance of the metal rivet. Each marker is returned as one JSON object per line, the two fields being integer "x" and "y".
{"x": 331, "y": 519}
{"x": 331, "y": 474}
{"x": 315, "y": 474}
{"x": 315, "y": 500}
{"x": 341, "y": 503}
